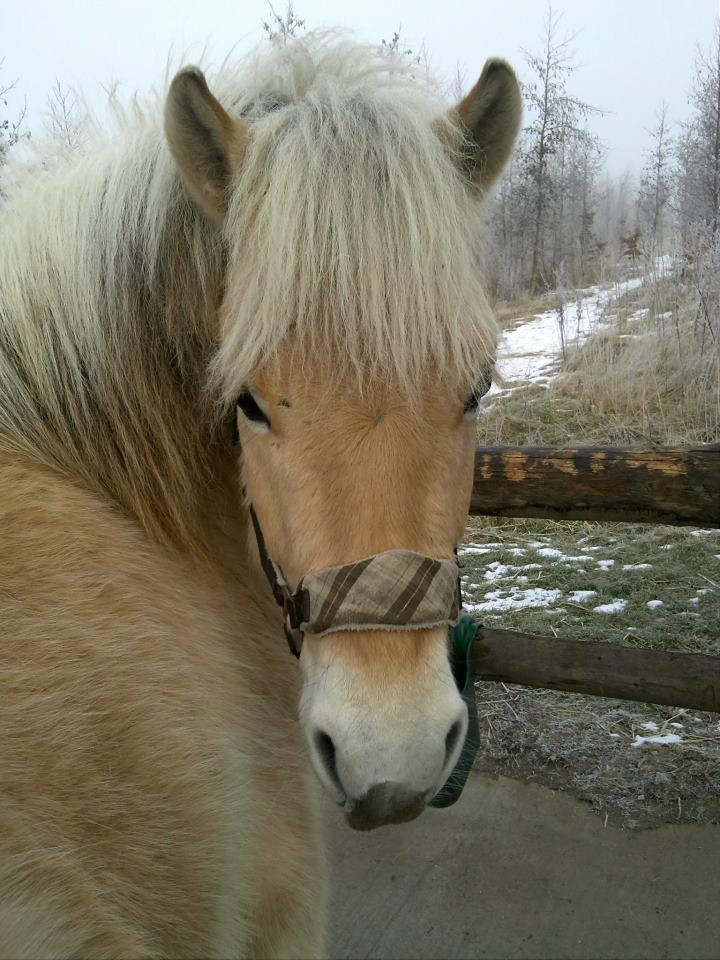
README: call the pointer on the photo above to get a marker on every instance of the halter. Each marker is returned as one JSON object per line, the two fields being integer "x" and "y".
{"x": 392, "y": 590}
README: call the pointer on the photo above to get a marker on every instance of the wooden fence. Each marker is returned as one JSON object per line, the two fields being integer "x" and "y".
{"x": 660, "y": 486}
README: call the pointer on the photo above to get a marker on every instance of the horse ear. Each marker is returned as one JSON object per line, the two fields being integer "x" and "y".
{"x": 208, "y": 145}
{"x": 490, "y": 119}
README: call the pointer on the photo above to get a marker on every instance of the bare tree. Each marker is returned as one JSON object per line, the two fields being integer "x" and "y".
{"x": 655, "y": 185}
{"x": 581, "y": 184}
{"x": 66, "y": 117}
{"x": 280, "y": 28}
{"x": 699, "y": 145}
{"x": 456, "y": 86}
{"x": 507, "y": 254}
{"x": 545, "y": 206}
{"x": 11, "y": 131}
{"x": 396, "y": 48}
{"x": 557, "y": 118}
{"x": 615, "y": 214}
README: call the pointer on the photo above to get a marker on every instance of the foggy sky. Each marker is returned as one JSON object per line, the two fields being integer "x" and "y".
{"x": 630, "y": 54}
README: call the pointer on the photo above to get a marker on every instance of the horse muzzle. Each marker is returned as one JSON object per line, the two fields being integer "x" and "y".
{"x": 385, "y": 726}
{"x": 384, "y": 733}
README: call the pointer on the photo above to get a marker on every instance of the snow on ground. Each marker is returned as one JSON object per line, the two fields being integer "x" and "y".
{"x": 515, "y": 599}
{"x": 617, "y": 606}
{"x": 558, "y": 554}
{"x": 477, "y": 548}
{"x": 658, "y": 740}
{"x": 582, "y": 596}
{"x": 532, "y": 350}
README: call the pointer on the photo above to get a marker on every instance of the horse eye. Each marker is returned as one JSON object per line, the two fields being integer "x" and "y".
{"x": 247, "y": 403}
{"x": 480, "y": 388}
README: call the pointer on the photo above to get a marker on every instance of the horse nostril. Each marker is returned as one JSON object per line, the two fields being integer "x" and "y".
{"x": 326, "y": 751}
{"x": 451, "y": 739}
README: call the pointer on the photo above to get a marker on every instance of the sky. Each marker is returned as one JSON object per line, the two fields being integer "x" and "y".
{"x": 631, "y": 55}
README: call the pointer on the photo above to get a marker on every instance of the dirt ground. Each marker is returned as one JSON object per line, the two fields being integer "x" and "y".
{"x": 519, "y": 871}
{"x": 584, "y": 746}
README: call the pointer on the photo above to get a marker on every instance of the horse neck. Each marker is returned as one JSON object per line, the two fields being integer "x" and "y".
{"x": 103, "y": 358}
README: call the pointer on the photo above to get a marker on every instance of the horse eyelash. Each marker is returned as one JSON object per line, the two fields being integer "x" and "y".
{"x": 251, "y": 410}
{"x": 479, "y": 389}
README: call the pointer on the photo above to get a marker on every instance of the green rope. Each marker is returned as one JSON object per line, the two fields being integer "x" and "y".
{"x": 462, "y": 636}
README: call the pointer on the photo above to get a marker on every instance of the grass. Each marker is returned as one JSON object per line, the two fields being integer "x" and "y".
{"x": 681, "y": 565}
{"x": 646, "y": 380}
{"x": 510, "y": 313}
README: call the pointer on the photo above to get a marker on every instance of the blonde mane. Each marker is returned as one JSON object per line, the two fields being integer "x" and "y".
{"x": 350, "y": 226}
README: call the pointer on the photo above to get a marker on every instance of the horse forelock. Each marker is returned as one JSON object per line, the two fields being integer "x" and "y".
{"x": 351, "y": 228}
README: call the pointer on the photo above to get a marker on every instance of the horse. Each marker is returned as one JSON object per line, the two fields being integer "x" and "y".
{"x": 241, "y": 337}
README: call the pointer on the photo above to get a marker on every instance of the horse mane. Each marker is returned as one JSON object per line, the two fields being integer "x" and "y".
{"x": 350, "y": 226}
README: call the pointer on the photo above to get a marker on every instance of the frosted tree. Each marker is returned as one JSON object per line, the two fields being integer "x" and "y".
{"x": 586, "y": 156}
{"x": 655, "y": 183}
{"x": 11, "y": 128}
{"x": 66, "y": 117}
{"x": 557, "y": 118}
{"x": 280, "y": 28}
{"x": 507, "y": 256}
{"x": 544, "y": 215}
{"x": 699, "y": 146}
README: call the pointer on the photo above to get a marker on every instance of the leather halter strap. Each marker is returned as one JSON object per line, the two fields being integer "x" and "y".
{"x": 295, "y": 606}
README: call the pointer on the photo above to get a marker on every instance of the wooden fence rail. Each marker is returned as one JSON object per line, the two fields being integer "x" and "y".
{"x": 666, "y": 485}
{"x": 599, "y": 669}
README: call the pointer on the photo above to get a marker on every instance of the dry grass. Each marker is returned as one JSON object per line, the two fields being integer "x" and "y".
{"x": 656, "y": 378}
{"x": 511, "y": 312}
{"x": 651, "y": 378}
{"x": 583, "y": 746}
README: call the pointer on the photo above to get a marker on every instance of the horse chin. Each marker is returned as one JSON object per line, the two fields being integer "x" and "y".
{"x": 384, "y": 805}
{"x": 363, "y": 825}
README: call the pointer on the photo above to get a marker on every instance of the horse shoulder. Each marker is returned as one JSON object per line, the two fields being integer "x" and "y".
{"x": 130, "y": 733}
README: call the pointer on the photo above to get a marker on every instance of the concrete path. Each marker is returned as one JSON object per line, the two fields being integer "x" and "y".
{"x": 517, "y": 870}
